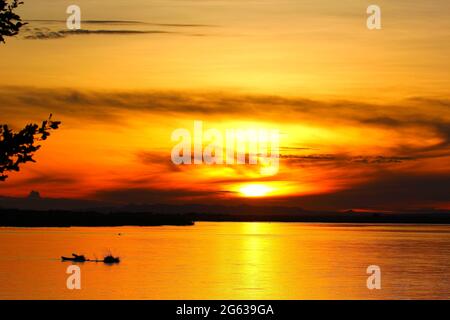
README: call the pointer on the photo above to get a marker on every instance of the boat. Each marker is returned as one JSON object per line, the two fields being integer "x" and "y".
{"x": 75, "y": 258}
{"x": 111, "y": 259}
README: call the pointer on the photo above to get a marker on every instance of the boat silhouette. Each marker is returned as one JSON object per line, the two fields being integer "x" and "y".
{"x": 109, "y": 259}
{"x": 75, "y": 258}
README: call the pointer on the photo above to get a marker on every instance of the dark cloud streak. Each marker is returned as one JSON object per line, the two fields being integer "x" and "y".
{"x": 55, "y": 29}
{"x": 44, "y": 35}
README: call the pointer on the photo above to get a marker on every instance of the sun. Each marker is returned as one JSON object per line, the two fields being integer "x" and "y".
{"x": 254, "y": 190}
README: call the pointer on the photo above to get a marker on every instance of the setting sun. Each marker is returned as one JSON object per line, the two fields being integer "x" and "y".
{"x": 254, "y": 190}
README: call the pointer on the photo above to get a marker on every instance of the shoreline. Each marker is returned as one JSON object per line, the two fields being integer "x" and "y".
{"x": 65, "y": 219}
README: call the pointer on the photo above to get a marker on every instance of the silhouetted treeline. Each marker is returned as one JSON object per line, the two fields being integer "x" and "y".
{"x": 19, "y": 218}
{"x": 23, "y": 218}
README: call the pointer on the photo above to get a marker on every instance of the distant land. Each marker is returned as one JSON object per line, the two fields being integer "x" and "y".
{"x": 27, "y": 218}
{"x": 34, "y": 211}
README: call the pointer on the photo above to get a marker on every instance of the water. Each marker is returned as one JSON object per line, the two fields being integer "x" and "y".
{"x": 229, "y": 261}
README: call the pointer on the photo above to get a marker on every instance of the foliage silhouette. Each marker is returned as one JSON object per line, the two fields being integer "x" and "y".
{"x": 10, "y": 22}
{"x": 18, "y": 148}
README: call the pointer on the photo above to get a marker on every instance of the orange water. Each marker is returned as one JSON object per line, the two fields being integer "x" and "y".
{"x": 229, "y": 261}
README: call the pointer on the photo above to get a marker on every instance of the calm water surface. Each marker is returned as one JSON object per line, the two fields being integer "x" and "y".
{"x": 229, "y": 261}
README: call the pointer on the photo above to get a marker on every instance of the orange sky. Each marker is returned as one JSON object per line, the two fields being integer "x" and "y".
{"x": 364, "y": 115}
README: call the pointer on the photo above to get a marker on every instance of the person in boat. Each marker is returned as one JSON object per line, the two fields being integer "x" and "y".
{"x": 75, "y": 257}
{"x": 111, "y": 259}
{"x": 79, "y": 257}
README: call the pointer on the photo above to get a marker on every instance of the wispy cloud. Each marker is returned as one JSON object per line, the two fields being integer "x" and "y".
{"x": 54, "y": 29}
{"x": 155, "y": 195}
{"x": 41, "y": 34}
{"x": 379, "y": 159}
{"x": 127, "y": 22}
{"x": 433, "y": 113}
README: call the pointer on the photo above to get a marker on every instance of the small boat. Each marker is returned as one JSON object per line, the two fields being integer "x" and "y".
{"x": 111, "y": 259}
{"x": 75, "y": 258}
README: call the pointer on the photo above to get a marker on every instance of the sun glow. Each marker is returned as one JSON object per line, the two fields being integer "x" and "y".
{"x": 254, "y": 190}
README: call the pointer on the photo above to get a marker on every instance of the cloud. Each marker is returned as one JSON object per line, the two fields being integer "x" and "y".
{"x": 154, "y": 195}
{"x": 156, "y": 158}
{"x": 53, "y": 178}
{"x": 393, "y": 190}
{"x": 412, "y": 117}
{"x": 402, "y": 114}
{"x": 126, "y": 22}
{"x": 47, "y": 34}
{"x": 379, "y": 159}
{"x": 55, "y": 29}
